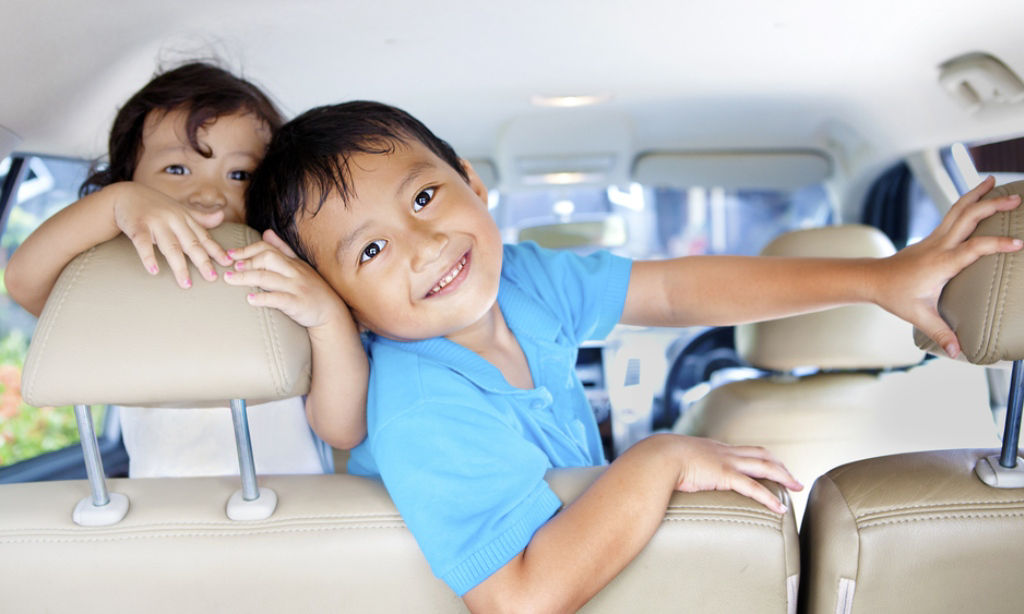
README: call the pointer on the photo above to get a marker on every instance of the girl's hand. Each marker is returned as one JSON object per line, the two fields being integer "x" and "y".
{"x": 712, "y": 465}
{"x": 289, "y": 284}
{"x": 149, "y": 217}
{"x": 913, "y": 278}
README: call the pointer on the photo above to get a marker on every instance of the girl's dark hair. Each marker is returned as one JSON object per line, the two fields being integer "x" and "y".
{"x": 205, "y": 91}
{"x": 308, "y": 159}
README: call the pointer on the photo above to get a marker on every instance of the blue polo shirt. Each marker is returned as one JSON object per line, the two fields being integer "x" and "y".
{"x": 461, "y": 451}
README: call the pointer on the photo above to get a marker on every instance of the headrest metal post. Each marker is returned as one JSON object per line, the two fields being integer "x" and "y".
{"x": 246, "y": 465}
{"x": 91, "y": 454}
{"x": 1011, "y": 432}
{"x": 101, "y": 508}
{"x": 251, "y": 502}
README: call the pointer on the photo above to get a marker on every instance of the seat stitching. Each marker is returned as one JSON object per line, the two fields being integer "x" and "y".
{"x": 951, "y": 516}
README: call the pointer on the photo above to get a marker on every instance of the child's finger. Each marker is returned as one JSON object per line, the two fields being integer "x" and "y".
{"x": 144, "y": 248}
{"x": 208, "y": 244}
{"x": 956, "y": 211}
{"x": 263, "y": 279}
{"x": 171, "y": 248}
{"x": 767, "y": 468}
{"x": 271, "y": 237}
{"x": 968, "y": 220}
{"x": 199, "y": 256}
{"x": 938, "y": 331}
{"x": 758, "y": 492}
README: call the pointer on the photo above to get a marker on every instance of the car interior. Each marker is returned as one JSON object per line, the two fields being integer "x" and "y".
{"x": 653, "y": 130}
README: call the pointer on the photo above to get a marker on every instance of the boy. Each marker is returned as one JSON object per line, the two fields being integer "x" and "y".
{"x": 472, "y": 393}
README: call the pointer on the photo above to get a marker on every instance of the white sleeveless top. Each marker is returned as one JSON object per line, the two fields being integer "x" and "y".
{"x": 201, "y": 442}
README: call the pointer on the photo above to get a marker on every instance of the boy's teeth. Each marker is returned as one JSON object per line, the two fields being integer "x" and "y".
{"x": 447, "y": 279}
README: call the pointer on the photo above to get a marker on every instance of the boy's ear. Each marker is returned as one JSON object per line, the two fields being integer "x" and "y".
{"x": 474, "y": 180}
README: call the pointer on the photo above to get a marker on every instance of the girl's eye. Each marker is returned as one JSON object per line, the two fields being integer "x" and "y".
{"x": 240, "y": 175}
{"x": 176, "y": 169}
{"x": 422, "y": 199}
{"x": 370, "y": 251}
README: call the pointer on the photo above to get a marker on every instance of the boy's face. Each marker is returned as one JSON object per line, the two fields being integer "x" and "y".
{"x": 415, "y": 253}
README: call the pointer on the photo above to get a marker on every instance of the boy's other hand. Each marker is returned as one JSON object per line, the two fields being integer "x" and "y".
{"x": 912, "y": 279}
{"x": 150, "y": 218}
{"x": 288, "y": 283}
{"x": 712, "y": 465}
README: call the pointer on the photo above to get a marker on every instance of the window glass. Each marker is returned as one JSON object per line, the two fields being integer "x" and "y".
{"x": 46, "y": 186}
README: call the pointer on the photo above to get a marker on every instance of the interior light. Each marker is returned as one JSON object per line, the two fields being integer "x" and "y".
{"x": 569, "y": 101}
{"x": 563, "y": 208}
{"x": 562, "y": 178}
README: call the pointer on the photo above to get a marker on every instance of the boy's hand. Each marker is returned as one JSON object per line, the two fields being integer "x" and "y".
{"x": 913, "y": 278}
{"x": 148, "y": 218}
{"x": 289, "y": 284}
{"x": 712, "y": 465}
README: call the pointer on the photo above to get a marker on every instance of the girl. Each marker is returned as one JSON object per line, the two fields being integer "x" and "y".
{"x": 181, "y": 152}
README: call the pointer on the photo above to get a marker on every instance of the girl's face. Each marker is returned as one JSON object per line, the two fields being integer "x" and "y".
{"x": 168, "y": 163}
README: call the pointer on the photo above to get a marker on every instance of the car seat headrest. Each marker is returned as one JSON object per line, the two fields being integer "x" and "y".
{"x": 112, "y": 333}
{"x": 984, "y": 303}
{"x": 851, "y": 337}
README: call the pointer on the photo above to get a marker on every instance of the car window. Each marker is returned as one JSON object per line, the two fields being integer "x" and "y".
{"x": 660, "y": 222}
{"x": 39, "y": 187}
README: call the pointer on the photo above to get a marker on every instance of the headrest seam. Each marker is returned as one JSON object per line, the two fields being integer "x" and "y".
{"x": 1004, "y": 262}
{"x": 57, "y": 307}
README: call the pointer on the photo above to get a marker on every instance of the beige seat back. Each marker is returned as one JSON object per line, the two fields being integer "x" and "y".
{"x": 332, "y": 542}
{"x": 928, "y": 532}
{"x": 867, "y": 395}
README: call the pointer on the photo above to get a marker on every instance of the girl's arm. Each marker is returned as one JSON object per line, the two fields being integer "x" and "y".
{"x": 576, "y": 553}
{"x": 336, "y": 404}
{"x": 147, "y": 216}
{"x": 719, "y": 290}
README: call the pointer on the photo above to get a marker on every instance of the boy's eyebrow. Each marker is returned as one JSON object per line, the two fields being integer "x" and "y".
{"x": 345, "y": 243}
{"x": 414, "y": 171}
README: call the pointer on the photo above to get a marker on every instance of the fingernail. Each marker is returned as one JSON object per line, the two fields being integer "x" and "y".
{"x": 187, "y": 283}
{"x": 1017, "y": 242}
{"x": 951, "y": 350}
{"x": 211, "y": 274}
{"x": 240, "y": 266}
{"x": 152, "y": 269}
{"x": 231, "y": 253}
{"x": 250, "y": 297}
{"x": 228, "y": 274}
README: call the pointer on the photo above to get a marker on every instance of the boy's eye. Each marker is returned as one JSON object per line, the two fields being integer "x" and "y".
{"x": 371, "y": 250}
{"x": 176, "y": 169}
{"x": 422, "y": 199}
{"x": 240, "y": 175}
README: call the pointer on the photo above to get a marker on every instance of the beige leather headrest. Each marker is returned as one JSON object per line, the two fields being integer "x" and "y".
{"x": 112, "y": 333}
{"x": 984, "y": 303}
{"x": 850, "y": 337}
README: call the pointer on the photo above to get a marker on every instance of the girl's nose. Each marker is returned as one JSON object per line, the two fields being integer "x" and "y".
{"x": 207, "y": 196}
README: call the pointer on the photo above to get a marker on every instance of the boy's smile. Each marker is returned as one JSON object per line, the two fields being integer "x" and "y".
{"x": 413, "y": 252}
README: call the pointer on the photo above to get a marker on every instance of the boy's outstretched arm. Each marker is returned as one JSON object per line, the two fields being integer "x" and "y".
{"x": 576, "y": 553}
{"x": 147, "y": 216}
{"x": 336, "y": 404}
{"x": 723, "y": 290}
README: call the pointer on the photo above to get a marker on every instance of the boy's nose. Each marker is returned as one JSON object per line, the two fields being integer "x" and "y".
{"x": 429, "y": 247}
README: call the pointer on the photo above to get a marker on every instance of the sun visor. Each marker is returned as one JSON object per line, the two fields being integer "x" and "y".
{"x": 578, "y": 147}
{"x": 778, "y": 170}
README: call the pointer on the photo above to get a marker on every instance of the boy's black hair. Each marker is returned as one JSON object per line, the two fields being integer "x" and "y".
{"x": 205, "y": 91}
{"x": 308, "y": 159}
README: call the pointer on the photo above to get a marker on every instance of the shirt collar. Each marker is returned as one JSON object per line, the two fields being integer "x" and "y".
{"x": 528, "y": 320}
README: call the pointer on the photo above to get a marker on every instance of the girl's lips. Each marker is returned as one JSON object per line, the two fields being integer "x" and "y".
{"x": 452, "y": 278}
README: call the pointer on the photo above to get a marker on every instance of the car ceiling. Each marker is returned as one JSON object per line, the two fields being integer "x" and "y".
{"x": 856, "y": 79}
